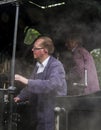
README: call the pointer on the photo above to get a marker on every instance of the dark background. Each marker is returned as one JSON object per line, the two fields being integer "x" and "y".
{"x": 82, "y": 17}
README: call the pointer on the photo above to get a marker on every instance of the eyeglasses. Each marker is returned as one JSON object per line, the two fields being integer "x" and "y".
{"x": 34, "y": 48}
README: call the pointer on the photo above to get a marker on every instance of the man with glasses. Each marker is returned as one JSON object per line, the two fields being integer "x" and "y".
{"x": 46, "y": 82}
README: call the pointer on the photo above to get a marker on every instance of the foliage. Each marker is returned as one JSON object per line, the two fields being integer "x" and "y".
{"x": 96, "y": 53}
{"x": 31, "y": 35}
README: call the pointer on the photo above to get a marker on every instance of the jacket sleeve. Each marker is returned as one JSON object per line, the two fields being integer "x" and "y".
{"x": 24, "y": 94}
{"x": 54, "y": 81}
{"x": 77, "y": 71}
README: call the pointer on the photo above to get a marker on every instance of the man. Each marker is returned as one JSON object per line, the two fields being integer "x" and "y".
{"x": 82, "y": 75}
{"x": 46, "y": 82}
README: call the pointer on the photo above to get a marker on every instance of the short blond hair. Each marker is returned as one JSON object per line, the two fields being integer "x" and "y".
{"x": 47, "y": 43}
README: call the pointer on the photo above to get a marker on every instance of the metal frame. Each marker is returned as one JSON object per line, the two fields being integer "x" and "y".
{"x": 11, "y": 89}
{"x": 7, "y": 1}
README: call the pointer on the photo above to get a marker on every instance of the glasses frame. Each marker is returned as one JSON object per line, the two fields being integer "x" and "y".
{"x": 35, "y": 48}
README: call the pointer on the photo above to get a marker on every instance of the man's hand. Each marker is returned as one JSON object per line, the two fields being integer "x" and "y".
{"x": 21, "y": 79}
{"x": 16, "y": 99}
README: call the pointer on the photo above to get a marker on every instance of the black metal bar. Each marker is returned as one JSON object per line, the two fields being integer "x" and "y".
{"x": 14, "y": 45}
{"x": 11, "y": 89}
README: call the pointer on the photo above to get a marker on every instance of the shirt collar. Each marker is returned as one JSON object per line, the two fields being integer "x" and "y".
{"x": 74, "y": 49}
{"x": 44, "y": 63}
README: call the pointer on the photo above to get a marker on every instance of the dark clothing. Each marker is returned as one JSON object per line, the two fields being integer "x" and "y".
{"x": 41, "y": 90}
{"x": 81, "y": 61}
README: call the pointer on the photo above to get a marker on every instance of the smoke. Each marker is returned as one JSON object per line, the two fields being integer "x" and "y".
{"x": 81, "y": 112}
{"x": 84, "y": 19}
{"x": 81, "y": 17}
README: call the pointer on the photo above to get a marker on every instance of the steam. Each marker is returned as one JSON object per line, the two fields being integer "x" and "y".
{"x": 82, "y": 17}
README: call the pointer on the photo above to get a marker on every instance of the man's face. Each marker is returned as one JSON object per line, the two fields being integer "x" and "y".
{"x": 71, "y": 44}
{"x": 38, "y": 50}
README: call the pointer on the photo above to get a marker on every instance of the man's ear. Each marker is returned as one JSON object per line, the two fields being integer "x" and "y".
{"x": 45, "y": 50}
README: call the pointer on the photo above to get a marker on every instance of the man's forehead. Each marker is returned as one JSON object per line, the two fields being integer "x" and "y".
{"x": 39, "y": 40}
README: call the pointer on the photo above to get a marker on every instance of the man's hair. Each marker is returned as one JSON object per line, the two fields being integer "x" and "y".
{"x": 75, "y": 37}
{"x": 47, "y": 43}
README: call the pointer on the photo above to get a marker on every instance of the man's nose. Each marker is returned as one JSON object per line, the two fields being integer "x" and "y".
{"x": 32, "y": 49}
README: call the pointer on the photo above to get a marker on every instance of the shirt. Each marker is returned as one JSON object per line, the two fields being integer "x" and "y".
{"x": 41, "y": 66}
